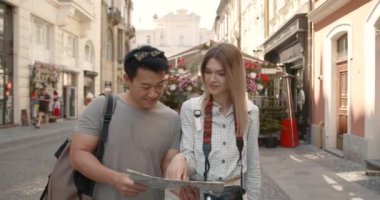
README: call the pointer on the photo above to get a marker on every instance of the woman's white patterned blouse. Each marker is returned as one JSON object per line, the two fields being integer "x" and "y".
{"x": 224, "y": 154}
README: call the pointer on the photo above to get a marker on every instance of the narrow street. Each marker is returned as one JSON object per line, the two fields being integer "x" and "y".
{"x": 301, "y": 173}
{"x": 27, "y": 157}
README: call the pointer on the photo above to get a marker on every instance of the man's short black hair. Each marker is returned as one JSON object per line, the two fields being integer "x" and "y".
{"x": 145, "y": 57}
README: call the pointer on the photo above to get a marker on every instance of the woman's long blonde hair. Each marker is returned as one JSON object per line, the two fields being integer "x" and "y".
{"x": 231, "y": 60}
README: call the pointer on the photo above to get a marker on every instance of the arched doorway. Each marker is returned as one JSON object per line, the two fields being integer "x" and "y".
{"x": 342, "y": 89}
{"x": 336, "y": 84}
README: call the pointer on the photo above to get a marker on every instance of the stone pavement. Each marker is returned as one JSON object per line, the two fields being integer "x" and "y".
{"x": 29, "y": 134}
{"x": 306, "y": 172}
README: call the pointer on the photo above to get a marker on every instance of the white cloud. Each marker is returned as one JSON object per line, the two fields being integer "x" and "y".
{"x": 143, "y": 10}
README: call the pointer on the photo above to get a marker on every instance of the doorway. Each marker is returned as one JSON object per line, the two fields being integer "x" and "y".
{"x": 342, "y": 103}
{"x": 69, "y": 100}
{"x": 341, "y": 90}
{"x": 6, "y": 65}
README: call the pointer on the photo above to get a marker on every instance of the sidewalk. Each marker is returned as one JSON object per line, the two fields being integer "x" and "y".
{"x": 309, "y": 173}
{"x": 19, "y": 133}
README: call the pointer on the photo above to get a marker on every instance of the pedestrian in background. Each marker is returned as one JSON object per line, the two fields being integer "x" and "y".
{"x": 144, "y": 134}
{"x": 43, "y": 107}
{"x": 56, "y": 107}
{"x": 225, "y": 116}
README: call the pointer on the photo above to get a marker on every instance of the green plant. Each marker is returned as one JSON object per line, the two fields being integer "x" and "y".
{"x": 271, "y": 114}
{"x": 269, "y": 126}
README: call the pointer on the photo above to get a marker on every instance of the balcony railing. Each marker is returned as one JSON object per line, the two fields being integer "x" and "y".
{"x": 114, "y": 16}
{"x": 130, "y": 31}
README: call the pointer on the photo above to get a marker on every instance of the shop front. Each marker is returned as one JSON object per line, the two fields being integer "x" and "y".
{"x": 43, "y": 75}
{"x": 60, "y": 83}
{"x": 6, "y": 66}
{"x": 288, "y": 48}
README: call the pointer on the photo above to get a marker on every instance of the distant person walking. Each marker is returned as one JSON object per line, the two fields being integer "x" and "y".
{"x": 56, "y": 107}
{"x": 43, "y": 109}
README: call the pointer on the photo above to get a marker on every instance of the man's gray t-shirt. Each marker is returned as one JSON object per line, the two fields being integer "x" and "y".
{"x": 137, "y": 139}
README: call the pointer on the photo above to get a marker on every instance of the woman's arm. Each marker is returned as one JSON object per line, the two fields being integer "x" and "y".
{"x": 253, "y": 175}
{"x": 188, "y": 134}
{"x": 182, "y": 166}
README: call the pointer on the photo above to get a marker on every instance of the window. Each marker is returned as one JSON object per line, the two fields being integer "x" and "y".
{"x": 88, "y": 52}
{"x": 162, "y": 39}
{"x": 120, "y": 45}
{"x": 109, "y": 46}
{"x": 148, "y": 39}
{"x": 70, "y": 45}
{"x": 41, "y": 33}
{"x": 181, "y": 41}
{"x": 273, "y": 8}
{"x": 342, "y": 47}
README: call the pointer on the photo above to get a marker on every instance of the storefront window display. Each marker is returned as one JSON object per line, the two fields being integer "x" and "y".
{"x": 42, "y": 75}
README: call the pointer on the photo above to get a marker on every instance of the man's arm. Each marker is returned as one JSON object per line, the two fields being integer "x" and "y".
{"x": 167, "y": 159}
{"x": 82, "y": 159}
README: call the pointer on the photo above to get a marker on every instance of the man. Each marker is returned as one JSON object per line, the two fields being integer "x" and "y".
{"x": 143, "y": 134}
{"x": 300, "y": 98}
{"x": 300, "y": 111}
{"x": 43, "y": 107}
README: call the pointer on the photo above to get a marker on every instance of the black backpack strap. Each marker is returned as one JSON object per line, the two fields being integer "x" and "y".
{"x": 106, "y": 122}
{"x": 44, "y": 193}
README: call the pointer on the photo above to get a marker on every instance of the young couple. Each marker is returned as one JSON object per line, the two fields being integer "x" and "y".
{"x": 145, "y": 135}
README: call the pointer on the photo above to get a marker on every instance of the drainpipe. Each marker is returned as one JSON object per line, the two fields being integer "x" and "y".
{"x": 239, "y": 13}
{"x": 310, "y": 72}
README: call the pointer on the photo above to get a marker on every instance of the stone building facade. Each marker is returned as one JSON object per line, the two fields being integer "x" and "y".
{"x": 345, "y": 78}
{"x": 116, "y": 33}
{"x": 173, "y": 33}
{"x": 50, "y": 43}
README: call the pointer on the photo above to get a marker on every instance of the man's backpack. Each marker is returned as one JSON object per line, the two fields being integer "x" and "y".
{"x": 64, "y": 182}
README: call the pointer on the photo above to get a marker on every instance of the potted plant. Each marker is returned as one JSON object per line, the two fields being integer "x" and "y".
{"x": 270, "y": 129}
{"x": 271, "y": 113}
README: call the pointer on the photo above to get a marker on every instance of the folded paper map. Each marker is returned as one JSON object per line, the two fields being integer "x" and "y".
{"x": 162, "y": 183}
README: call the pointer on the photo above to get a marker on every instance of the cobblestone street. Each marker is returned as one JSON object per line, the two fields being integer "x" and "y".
{"x": 304, "y": 172}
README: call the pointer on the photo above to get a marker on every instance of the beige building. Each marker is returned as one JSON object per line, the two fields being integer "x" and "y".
{"x": 116, "y": 32}
{"x": 241, "y": 22}
{"x": 346, "y": 78}
{"x": 227, "y": 24}
{"x": 55, "y": 44}
{"x": 253, "y": 30}
{"x": 286, "y": 44}
{"x": 173, "y": 33}
{"x": 275, "y": 31}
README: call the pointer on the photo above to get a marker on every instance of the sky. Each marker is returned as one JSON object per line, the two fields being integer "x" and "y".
{"x": 143, "y": 10}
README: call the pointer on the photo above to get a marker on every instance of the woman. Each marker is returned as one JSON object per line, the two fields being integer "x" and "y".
{"x": 224, "y": 105}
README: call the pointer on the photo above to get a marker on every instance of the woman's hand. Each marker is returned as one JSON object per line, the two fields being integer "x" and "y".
{"x": 177, "y": 168}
